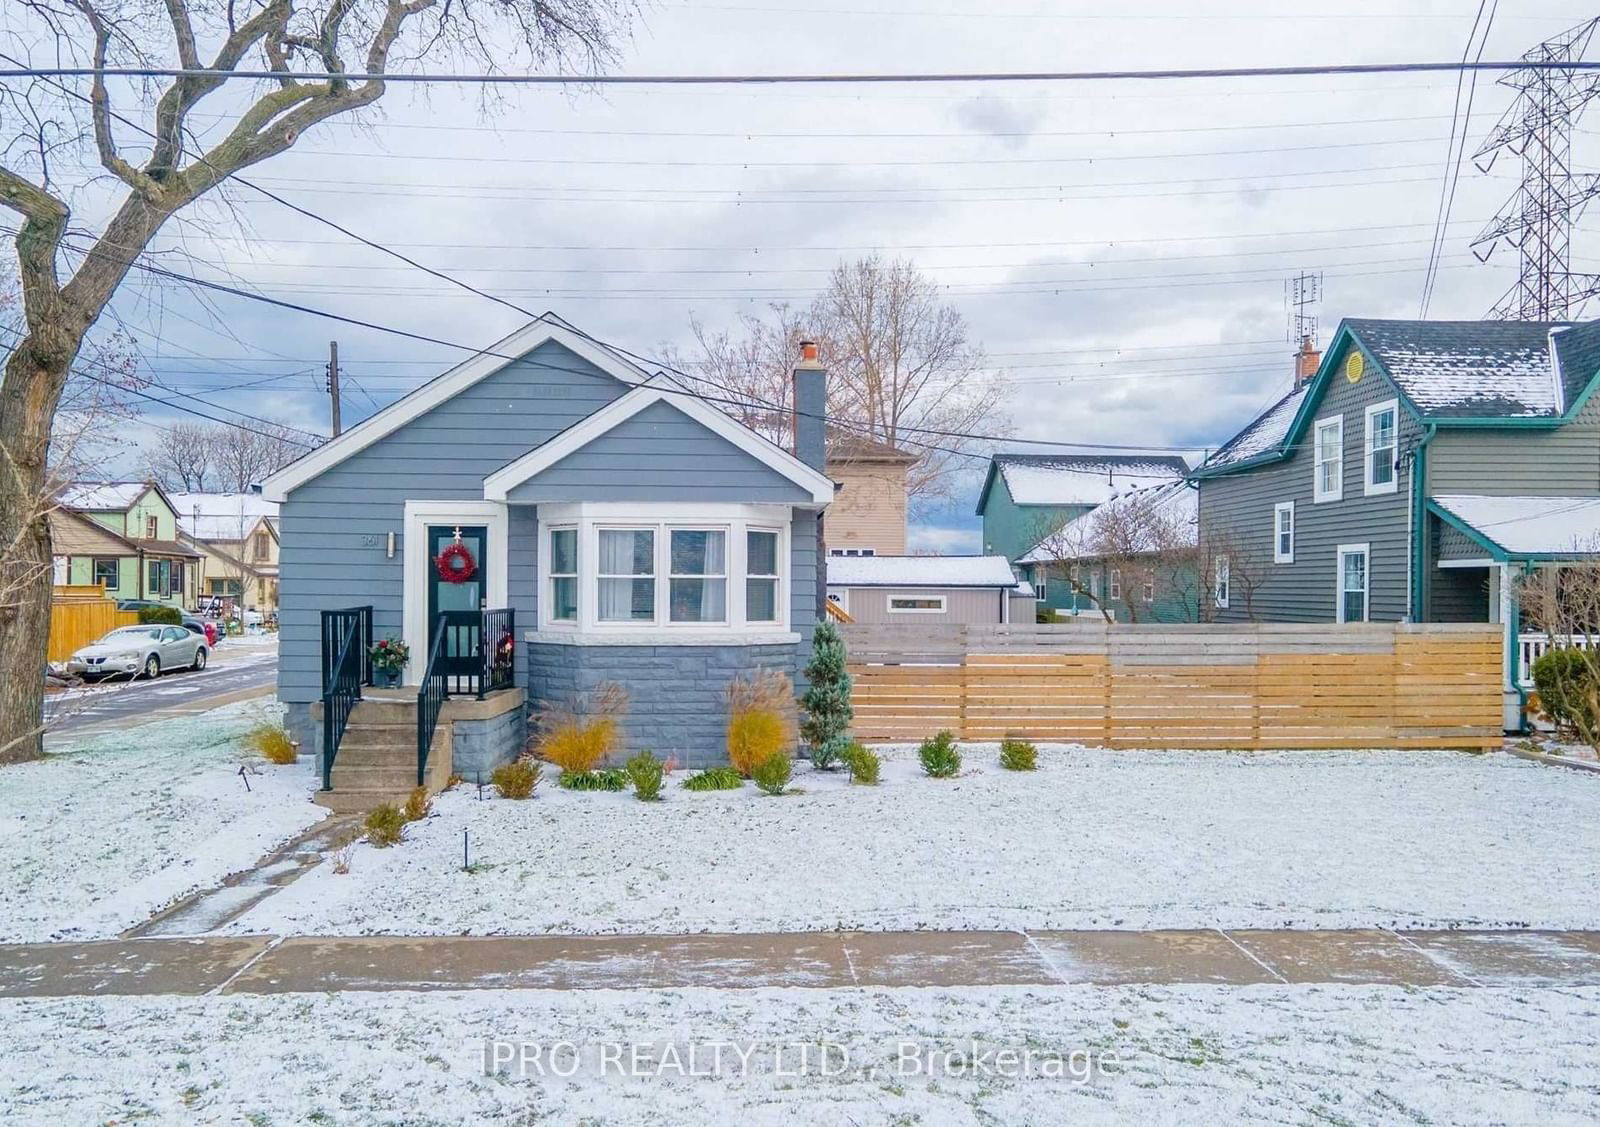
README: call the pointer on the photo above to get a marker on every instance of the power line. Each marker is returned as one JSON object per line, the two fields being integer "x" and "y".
{"x": 587, "y": 80}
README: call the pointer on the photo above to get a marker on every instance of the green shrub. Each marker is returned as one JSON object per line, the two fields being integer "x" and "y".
{"x": 826, "y": 702}
{"x": 646, "y": 773}
{"x": 1566, "y": 685}
{"x": 516, "y": 779}
{"x": 863, "y": 764}
{"x": 386, "y": 825}
{"x": 773, "y": 773}
{"x": 715, "y": 778}
{"x": 160, "y": 616}
{"x": 939, "y": 756}
{"x": 606, "y": 778}
{"x": 1018, "y": 755}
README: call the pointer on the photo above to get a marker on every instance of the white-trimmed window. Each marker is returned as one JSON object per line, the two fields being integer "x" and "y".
{"x": 916, "y": 604}
{"x": 1283, "y": 532}
{"x": 1220, "y": 582}
{"x": 1148, "y": 594}
{"x": 1382, "y": 446}
{"x": 1038, "y": 581}
{"x": 1115, "y": 589}
{"x": 563, "y": 574}
{"x": 1094, "y": 584}
{"x": 615, "y": 570}
{"x": 1355, "y": 583}
{"x": 761, "y": 575}
{"x": 1328, "y": 449}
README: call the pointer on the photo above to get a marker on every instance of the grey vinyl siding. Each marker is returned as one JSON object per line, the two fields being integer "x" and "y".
{"x": 335, "y": 527}
{"x": 660, "y": 454}
{"x": 1238, "y": 509}
{"x": 966, "y": 607}
{"x": 1459, "y": 594}
{"x": 1519, "y": 461}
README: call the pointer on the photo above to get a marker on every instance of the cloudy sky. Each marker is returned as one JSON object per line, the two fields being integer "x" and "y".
{"x": 1120, "y": 249}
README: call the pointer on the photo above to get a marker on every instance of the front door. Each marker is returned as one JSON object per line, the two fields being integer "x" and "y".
{"x": 457, "y": 587}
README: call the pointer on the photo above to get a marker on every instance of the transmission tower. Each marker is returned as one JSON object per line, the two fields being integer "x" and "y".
{"x": 1538, "y": 218}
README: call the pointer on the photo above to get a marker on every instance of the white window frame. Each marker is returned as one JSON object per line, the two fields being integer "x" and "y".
{"x": 551, "y": 576}
{"x": 1365, "y": 551}
{"x": 776, "y": 577}
{"x": 1221, "y": 582}
{"x": 1094, "y": 584}
{"x": 919, "y": 596}
{"x": 1147, "y": 590}
{"x": 1279, "y": 556}
{"x": 1114, "y": 584}
{"x": 732, "y": 519}
{"x": 727, "y": 550}
{"x": 1318, "y": 493}
{"x": 1368, "y": 461}
{"x": 1041, "y": 575}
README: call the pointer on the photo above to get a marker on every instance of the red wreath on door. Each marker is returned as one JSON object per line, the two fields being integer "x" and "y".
{"x": 455, "y": 564}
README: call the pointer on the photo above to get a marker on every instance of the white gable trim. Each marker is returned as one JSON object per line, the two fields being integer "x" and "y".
{"x": 499, "y": 484}
{"x": 442, "y": 388}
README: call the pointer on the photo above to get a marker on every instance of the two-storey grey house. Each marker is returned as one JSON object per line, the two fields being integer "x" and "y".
{"x": 545, "y": 516}
{"x": 1421, "y": 467}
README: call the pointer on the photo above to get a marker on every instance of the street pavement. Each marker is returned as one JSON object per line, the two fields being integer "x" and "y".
{"x": 237, "y": 668}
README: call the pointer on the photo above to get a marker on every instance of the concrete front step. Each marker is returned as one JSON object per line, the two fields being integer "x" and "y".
{"x": 397, "y": 777}
{"x": 359, "y": 801}
{"x": 380, "y": 755}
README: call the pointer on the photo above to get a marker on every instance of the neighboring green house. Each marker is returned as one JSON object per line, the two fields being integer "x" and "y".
{"x": 145, "y": 559}
{"x": 1027, "y": 497}
{"x": 1134, "y": 557}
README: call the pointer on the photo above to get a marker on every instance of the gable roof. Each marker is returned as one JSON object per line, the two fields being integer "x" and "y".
{"x": 102, "y": 496}
{"x": 1525, "y": 527}
{"x": 920, "y": 571}
{"x": 74, "y": 534}
{"x": 1077, "y": 479}
{"x": 1172, "y": 507}
{"x": 481, "y": 365}
{"x": 1262, "y": 435}
{"x": 498, "y": 485}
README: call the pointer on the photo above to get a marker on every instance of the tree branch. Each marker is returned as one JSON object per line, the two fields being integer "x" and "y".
{"x": 44, "y": 221}
{"x": 100, "y": 105}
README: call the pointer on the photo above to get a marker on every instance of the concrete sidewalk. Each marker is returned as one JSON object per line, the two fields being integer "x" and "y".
{"x": 268, "y": 965}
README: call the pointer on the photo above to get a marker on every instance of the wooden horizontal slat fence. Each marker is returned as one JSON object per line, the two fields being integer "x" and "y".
{"x": 1258, "y": 685}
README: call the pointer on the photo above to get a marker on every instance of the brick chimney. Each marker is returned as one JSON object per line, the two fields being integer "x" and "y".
{"x": 1306, "y": 362}
{"x": 810, "y": 400}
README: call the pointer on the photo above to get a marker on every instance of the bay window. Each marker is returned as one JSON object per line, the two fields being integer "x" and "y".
{"x": 616, "y": 570}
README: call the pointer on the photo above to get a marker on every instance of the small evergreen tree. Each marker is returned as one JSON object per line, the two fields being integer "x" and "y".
{"x": 826, "y": 701}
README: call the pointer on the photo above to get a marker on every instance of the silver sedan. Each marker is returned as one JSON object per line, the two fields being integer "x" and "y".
{"x": 133, "y": 651}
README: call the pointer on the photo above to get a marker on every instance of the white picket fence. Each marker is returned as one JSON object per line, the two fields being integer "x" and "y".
{"x": 1531, "y": 647}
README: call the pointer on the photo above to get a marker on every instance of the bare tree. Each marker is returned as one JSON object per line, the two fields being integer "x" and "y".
{"x": 159, "y": 169}
{"x": 181, "y": 459}
{"x": 900, "y": 365}
{"x": 1143, "y": 536}
{"x": 242, "y": 458}
{"x": 1248, "y": 564}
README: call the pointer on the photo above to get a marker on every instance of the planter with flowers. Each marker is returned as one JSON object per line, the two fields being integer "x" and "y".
{"x": 389, "y": 658}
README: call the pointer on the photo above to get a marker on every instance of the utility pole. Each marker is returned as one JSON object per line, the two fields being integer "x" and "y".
{"x": 333, "y": 383}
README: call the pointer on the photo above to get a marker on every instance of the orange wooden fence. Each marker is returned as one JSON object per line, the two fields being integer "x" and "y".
{"x": 1255, "y": 686}
{"x": 78, "y": 617}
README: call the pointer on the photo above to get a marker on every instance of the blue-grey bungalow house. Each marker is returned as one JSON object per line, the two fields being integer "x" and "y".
{"x": 543, "y": 517}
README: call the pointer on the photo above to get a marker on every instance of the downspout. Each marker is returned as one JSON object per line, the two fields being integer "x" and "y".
{"x": 1419, "y": 541}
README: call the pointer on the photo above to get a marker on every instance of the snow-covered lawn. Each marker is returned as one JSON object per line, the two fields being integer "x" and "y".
{"x": 100, "y": 835}
{"x": 1163, "y": 1055}
{"x": 1093, "y": 839}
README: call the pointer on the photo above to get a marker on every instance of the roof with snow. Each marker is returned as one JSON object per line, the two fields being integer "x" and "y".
{"x": 102, "y": 496}
{"x": 920, "y": 571}
{"x": 221, "y": 516}
{"x": 1077, "y": 479}
{"x": 1527, "y": 527}
{"x": 1483, "y": 369}
{"x": 1142, "y": 520}
{"x": 1264, "y": 433}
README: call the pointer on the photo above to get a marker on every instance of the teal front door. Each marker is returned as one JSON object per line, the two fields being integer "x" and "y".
{"x": 457, "y": 586}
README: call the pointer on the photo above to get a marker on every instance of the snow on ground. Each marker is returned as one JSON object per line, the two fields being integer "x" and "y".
{"x": 1093, "y": 839}
{"x": 1341, "y": 1054}
{"x": 102, "y": 833}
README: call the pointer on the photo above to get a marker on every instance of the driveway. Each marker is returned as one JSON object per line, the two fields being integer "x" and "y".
{"x": 238, "y": 665}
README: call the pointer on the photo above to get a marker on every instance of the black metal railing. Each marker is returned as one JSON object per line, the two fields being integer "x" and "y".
{"x": 346, "y": 667}
{"x": 430, "y": 701}
{"x": 499, "y": 650}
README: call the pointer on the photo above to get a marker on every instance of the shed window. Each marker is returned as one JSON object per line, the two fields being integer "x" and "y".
{"x": 1329, "y": 456}
{"x": 1382, "y": 445}
{"x": 920, "y": 604}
